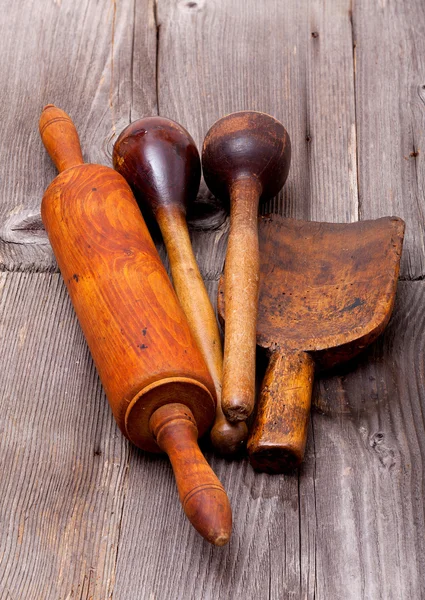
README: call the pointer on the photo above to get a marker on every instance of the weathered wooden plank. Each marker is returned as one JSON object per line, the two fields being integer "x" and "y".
{"x": 97, "y": 62}
{"x": 215, "y": 58}
{"x": 330, "y": 113}
{"x": 162, "y": 557}
{"x": 360, "y": 525}
{"x": 369, "y": 448}
{"x": 390, "y": 107}
{"x": 63, "y": 461}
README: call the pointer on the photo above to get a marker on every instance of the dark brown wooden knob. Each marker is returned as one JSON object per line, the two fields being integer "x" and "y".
{"x": 246, "y": 145}
{"x": 246, "y": 156}
{"x": 161, "y": 163}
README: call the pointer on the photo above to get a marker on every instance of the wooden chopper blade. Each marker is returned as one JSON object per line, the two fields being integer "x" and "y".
{"x": 327, "y": 291}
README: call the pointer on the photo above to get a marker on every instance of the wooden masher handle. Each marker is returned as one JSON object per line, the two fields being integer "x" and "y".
{"x": 278, "y": 437}
{"x": 241, "y": 286}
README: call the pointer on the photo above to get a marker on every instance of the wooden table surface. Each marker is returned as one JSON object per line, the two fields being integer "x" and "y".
{"x": 83, "y": 514}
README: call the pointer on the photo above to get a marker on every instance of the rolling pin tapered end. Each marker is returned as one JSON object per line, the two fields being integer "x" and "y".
{"x": 60, "y": 138}
{"x": 202, "y": 496}
{"x": 208, "y": 509}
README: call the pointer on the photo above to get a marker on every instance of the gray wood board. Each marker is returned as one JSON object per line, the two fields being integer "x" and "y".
{"x": 82, "y": 512}
{"x": 63, "y": 461}
{"x": 85, "y": 515}
{"x": 95, "y": 61}
{"x": 390, "y": 111}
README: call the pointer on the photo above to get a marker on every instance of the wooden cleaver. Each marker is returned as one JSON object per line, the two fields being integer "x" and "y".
{"x": 326, "y": 292}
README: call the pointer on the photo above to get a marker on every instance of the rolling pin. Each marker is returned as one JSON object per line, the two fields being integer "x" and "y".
{"x": 160, "y": 161}
{"x": 157, "y": 383}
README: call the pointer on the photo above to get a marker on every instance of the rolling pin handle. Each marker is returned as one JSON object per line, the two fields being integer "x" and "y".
{"x": 202, "y": 496}
{"x": 60, "y": 138}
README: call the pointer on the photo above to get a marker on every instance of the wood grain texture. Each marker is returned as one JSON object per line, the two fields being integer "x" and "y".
{"x": 63, "y": 459}
{"x": 350, "y": 525}
{"x": 390, "y": 108}
{"x": 254, "y": 57}
{"x": 369, "y": 466}
{"x": 88, "y": 59}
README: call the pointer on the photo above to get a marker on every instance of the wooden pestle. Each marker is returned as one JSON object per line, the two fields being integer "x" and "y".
{"x": 155, "y": 378}
{"x": 246, "y": 156}
{"x": 160, "y": 161}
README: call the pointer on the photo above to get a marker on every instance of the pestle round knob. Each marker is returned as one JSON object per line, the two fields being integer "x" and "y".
{"x": 246, "y": 145}
{"x": 246, "y": 156}
{"x": 202, "y": 496}
{"x": 227, "y": 438}
{"x": 160, "y": 161}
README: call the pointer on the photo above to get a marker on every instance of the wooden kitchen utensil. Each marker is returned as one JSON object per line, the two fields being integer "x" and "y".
{"x": 160, "y": 161}
{"x": 246, "y": 156}
{"x": 326, "y": 292}
{"x": 154, "y": 376}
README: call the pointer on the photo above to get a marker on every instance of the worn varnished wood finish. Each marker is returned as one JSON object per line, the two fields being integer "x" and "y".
{"x": 73, "y": 514}
{"x": 326, "y": 292}
{"x": 160, "y": 161}
{"x": 136, "y": 330}
{"x": 202, "y": 496}
{"x": 245, "y": 158}
{"x": 279, "y": 433}
{"x": 119, "y": 288}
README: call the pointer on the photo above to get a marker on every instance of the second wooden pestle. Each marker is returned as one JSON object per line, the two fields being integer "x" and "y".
{"x": 160, "y": 161}
{"x": 246, "y": 157}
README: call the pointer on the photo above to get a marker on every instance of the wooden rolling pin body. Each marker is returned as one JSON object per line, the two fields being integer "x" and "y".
{"x": 137, "y": 332}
